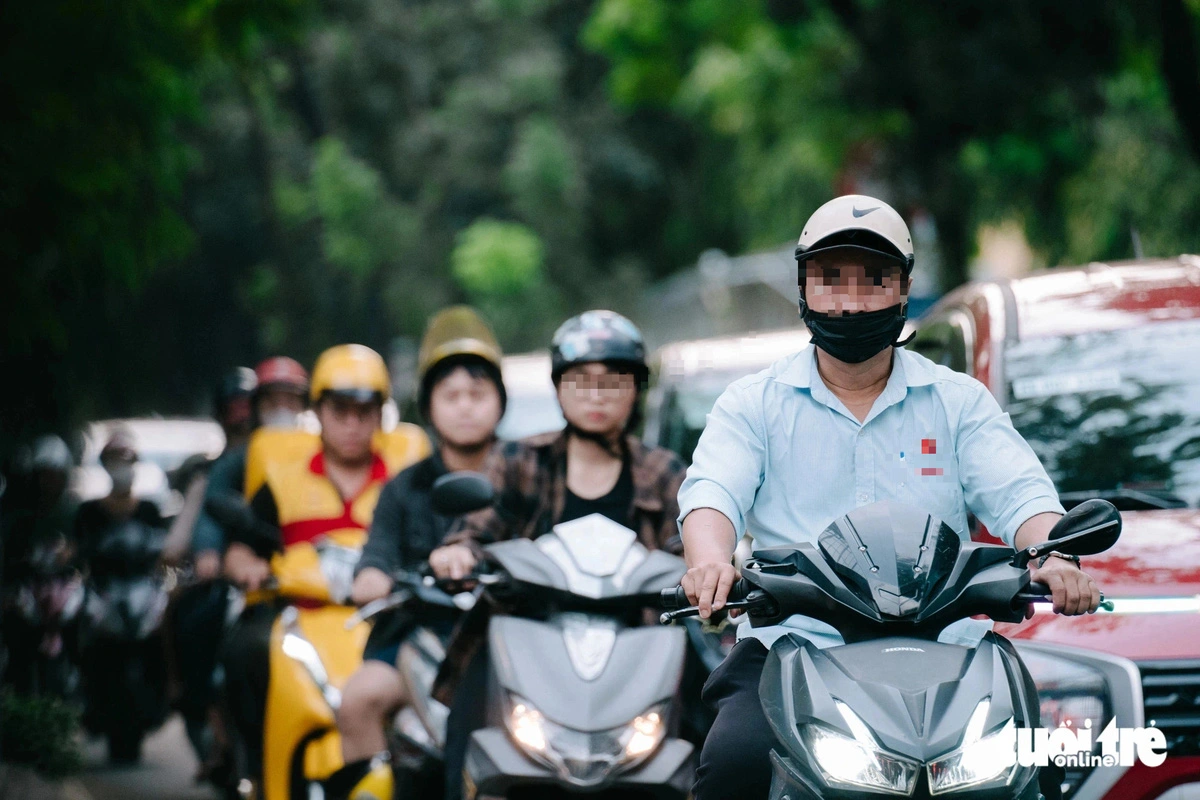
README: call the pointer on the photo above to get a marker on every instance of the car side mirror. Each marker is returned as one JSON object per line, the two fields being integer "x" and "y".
{"x": 461, "y": 493}
{"x": 1089, "y": 528}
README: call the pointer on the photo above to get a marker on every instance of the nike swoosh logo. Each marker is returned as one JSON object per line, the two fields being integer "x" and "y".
{"x": 863, "y": 212}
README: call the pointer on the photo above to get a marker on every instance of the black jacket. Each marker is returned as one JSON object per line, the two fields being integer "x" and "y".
{"x": 405, "y": 529}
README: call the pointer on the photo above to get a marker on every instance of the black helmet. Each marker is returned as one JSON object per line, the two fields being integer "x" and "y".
{"x": 232, "y": 399}
{"x": 598, "y": 336}
{"x": 238, "y": 382}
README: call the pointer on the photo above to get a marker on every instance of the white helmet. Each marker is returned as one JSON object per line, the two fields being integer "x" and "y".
{"x": 848, "y": 215}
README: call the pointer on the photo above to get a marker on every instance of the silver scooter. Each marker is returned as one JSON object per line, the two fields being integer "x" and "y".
{"x": 582, "y": 696}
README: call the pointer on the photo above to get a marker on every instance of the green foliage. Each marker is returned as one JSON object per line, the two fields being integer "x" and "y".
{"x": 974, "y": 112}
{"x": 497, "y": 259}
{"x": 39, "y": 732}
{"x": 192, "y": 185}
{"x": 1140, "y": 178}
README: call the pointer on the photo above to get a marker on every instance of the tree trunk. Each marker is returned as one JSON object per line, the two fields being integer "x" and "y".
{"x": 1181, "y": 68}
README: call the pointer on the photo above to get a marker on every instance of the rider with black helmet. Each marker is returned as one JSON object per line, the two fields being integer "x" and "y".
{"x": 595, "y": 465}
{"x": 273, "y": 394}
{"x": 233, "y": 403}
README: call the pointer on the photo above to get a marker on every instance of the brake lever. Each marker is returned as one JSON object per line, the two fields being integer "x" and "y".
{"x": 375, "y": 607}
{"x": 756, "y": 600}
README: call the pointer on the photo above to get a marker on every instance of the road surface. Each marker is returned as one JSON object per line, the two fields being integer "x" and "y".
{"x": 168, "y": 765}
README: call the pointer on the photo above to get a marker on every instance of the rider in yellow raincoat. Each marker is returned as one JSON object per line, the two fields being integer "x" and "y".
{"x": 324, "y": 492}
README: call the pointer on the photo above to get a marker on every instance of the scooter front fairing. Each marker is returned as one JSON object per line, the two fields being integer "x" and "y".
{"x": 895, "y": 715}
{"x": 312, "y": 655}
{"x": 580, "y": 695}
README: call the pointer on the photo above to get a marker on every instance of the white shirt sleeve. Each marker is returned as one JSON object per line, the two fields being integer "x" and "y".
{"x": 730, "y": 458}
{"x": 1003, "y": 481}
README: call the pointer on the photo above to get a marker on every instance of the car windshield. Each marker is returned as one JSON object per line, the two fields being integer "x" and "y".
{"x": 1113, "y": 413}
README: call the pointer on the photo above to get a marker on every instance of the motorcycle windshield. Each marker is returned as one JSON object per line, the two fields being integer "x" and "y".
{"x": 595, "y": 554}
{"x": 891, "y": 556}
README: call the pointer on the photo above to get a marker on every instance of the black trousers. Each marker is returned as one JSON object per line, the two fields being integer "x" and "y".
{"x": 198, "y": 620}
{"x": 247, "y": 663}
{"x": 735, "y": 761}
{"x": 468, "y": 713}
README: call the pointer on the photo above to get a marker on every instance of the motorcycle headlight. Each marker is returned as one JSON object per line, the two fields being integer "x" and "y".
{"x": 980, "y": 759}
{"x": 585, "y": 758}
{"x": 858, "y": 762}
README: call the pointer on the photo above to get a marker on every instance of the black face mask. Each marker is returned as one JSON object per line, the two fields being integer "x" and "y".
{"x": 853, "y": 338}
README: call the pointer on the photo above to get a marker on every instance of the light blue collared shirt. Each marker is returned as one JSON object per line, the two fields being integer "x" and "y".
{"x": 782, "y": 457}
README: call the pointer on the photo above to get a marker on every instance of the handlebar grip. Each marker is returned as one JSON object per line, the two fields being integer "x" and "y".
{"x": 672, "y": 599}
{"x": 740, "y": 589}
{"x": 677, "y": 598}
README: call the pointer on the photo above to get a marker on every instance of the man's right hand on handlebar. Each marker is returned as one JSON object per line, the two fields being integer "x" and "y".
{"x": 453, "y": 562}
{"x": 244, "y": 568}
{"x": 707, "y": 586}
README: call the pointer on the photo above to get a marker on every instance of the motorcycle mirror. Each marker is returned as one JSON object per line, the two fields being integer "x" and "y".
{"x": 461, "y": 492}
{"x": 1089, "y": 528}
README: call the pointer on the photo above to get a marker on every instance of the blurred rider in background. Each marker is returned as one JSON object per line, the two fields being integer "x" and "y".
{"x": 461, "y": 395}
{"x": 276, "y": 394}
{"x": 336, "y": 489}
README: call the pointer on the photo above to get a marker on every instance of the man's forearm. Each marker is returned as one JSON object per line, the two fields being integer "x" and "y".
{"x": 708, "y": 538}
{"x": 1036, "y": 529}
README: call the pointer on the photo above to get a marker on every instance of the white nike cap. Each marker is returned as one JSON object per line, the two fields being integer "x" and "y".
{"x": 855, "y": 212}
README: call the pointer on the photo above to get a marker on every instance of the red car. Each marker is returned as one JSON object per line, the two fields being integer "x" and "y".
{"x": 1099, "y": 369}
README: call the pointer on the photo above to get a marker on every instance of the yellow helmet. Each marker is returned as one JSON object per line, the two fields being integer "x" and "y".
{"x": 351, "y": 370}
{"x": 456, "y": 332}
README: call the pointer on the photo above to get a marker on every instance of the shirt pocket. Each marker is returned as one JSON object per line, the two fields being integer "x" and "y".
{"x": 926, "y": 476}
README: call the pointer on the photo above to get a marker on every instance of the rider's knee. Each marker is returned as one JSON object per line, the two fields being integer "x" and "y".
{"x": 370, "y": 691}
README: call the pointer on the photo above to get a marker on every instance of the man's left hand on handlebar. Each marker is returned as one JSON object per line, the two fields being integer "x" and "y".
{"x": 370, "y": 585}
{"x": 1073, "y": 590}
{"x": 244, "y": 568}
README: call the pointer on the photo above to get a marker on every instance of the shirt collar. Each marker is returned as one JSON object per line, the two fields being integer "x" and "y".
{"x": 907, "y": 370}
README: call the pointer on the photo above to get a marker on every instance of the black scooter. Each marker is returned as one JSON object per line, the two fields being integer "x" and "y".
{"x": 124, "y": 665}
{"x": 894, "y": 712}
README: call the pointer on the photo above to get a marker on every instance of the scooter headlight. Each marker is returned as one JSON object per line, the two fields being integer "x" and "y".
{"x": 585, "y": 758}
{"x": 858, "y": 762}
{"x": 980, "y": 760}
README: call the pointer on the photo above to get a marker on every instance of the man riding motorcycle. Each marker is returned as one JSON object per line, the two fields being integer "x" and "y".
{"x": 593, "y": 466}
{"x": 334, "y": 490}
{"x": 461, "y": 395}
{"x": 40, "y": 584}
{"x": 274, "y": 393}
{"x": 120, "y": 540}
{"x": 850, "y": 420}
{"x": 277, "y": 391}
